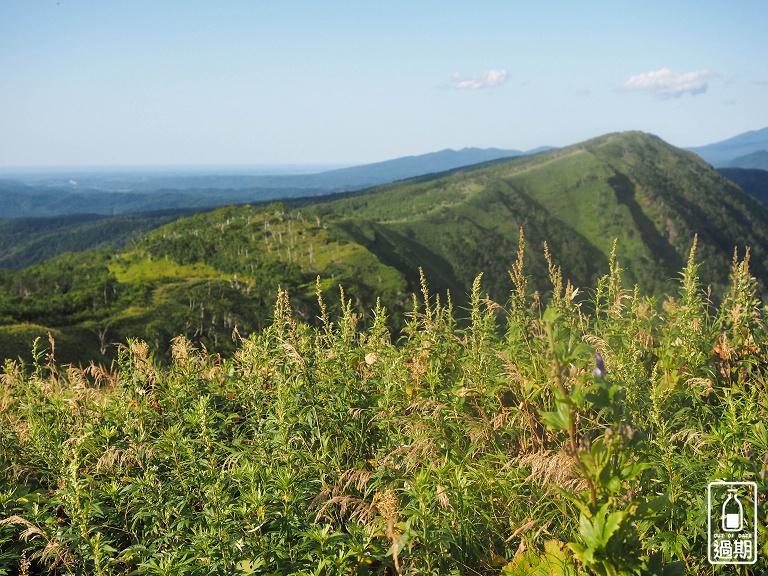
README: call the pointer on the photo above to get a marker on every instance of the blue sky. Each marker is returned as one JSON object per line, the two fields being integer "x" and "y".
{"x": 166, "y": 82}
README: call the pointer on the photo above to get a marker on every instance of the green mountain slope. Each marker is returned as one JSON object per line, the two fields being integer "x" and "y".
{"x": 27, "y": 241}
{"x": 753, "y": 182}
{"x": 47, "y": 215}
{"x": 650, "y": 197}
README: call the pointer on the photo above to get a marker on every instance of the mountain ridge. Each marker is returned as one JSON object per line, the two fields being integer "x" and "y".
{"x": 720, "y": 154}
{"x": 624, "y": 173}
{"x": 754, "y": 160}
{"x": 59, "y": 211}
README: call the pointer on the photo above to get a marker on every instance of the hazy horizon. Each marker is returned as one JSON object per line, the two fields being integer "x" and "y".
{"x": 176, "y": 169}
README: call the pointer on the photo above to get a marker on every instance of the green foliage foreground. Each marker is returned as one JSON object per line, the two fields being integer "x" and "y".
{"x": 459, "y": 449}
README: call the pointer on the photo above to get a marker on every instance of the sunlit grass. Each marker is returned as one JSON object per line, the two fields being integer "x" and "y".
{"x": 135, "y": 266}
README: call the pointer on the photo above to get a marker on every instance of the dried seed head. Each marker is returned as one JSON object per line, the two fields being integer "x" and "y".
{"x": 24, "y": 564}
{"x": 387, "y": 503}
{"x": 442, "y": 498}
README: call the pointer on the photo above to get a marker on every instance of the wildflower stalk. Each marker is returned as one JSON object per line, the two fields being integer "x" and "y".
{"x": 572, "y": 432}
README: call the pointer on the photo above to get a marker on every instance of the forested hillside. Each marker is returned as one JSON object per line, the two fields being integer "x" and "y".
{"x": 210, "y": 277}
{"x": 753, "y": 182}
{"x": 28, "y": 241}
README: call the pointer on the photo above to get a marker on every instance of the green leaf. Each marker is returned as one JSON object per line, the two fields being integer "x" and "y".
{"x": 653, "y": 507}
{"x": 551, "y": 315}
{"x": 597, "y": 531}
{"x": 557, "y": 420}
{"x": 583, "y": 507}
{"x": 614, "y": 484}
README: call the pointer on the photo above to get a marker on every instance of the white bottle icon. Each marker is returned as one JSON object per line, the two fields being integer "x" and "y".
{"x": 733, "y": 512}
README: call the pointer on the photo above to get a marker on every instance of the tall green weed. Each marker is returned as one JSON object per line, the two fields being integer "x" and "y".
{"x": 488, "y": 442}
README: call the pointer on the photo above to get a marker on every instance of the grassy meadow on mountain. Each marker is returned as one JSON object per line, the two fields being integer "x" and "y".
{"x": 202, "y": 276}
{"x": 348, "y": 288}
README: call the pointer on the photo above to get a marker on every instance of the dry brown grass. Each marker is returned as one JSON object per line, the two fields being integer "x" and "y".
{"x": 552, "y": 467}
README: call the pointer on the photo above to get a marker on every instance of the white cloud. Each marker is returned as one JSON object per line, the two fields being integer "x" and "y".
{"x": 666, "y": 83}
{"x": 488, "y": 79}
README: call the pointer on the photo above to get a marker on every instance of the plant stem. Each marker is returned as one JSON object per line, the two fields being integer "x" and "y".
{"x": 572, "y": 432}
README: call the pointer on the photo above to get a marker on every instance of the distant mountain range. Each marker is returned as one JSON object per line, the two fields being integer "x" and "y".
{"x": 212, "y": 273}
{"x": 113, "y": 194}
{"x": 755, "y": 160}
{"x": 110, "y": 194}
{"x": 747, "y": 150}
{"x": 350, "y": 178}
